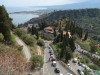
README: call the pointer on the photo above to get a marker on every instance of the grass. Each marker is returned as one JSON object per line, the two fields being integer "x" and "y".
{"x": 33, "y": 50}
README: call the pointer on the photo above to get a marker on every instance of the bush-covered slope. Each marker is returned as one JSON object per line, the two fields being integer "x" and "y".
{"x": 88, "y": 19}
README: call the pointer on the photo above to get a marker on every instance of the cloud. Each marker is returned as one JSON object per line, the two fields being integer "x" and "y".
{"x": 38, "y": 2}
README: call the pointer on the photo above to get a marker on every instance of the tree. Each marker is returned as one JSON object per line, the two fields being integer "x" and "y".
{"x": 5, "y": 24}
{"x": 33, "y": 30}
{"x": 79, "y": 31}
{"x": 42, "y": 25}
{"x": 57, "y": 39}
{"x": 61, "y": 36}
{"x": 86, "y": 36}
{"x": 37, "y": 61}
{"x": 29, "y": 30}
{"x": 37, "y": 33}
{"x": 1, "y": 37}
{"x": 55, "y": 34}
{"x": 68, "y": 54}
{"x": 72, "y": 44}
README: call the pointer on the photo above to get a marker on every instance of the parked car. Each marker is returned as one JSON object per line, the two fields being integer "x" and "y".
{"x": 79, "y": 63}
{"x": 53, "y": 59}
{"x": 54, "y": 63}
{"x": 87, "y": 68}
{"x": 57, "y": 70}
{"x": 48, "y": 47}
{"x": 80, "y": 72}
{"x": 69, "y": 74}
{"x": 50, "y": 51}
{"x": 75, "y": 60}
{"x": 60, "y": 74}
{"x": 51, "y": 54}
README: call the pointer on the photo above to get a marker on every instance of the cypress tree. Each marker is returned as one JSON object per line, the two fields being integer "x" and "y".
{"x": 72, "y": 44}
{"x": 5, "y": 24}
{"x": 86, "y": 36}
{"x": 33, "y": 30}
{"x": 55, "y": 34}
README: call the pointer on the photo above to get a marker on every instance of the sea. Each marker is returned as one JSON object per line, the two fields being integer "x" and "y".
{"x": 22, "y": 17}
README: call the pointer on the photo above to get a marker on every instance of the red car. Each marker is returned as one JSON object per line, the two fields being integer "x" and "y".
{"x": 53, "y": 59}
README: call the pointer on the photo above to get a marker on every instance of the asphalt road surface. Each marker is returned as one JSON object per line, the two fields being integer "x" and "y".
{"x": 48, "y": 69}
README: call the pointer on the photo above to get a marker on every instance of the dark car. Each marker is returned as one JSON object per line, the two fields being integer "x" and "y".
{"x": 50, "y": 51}
{"x": 80, "y": 72}
{"x": 79, "y": 63}
{"x": 57, "y": 70}
{"x": 51, "y": 54}
{"x": 48, "y": 47}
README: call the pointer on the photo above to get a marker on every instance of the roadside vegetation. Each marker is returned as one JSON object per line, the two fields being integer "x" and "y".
{"x": 11, "y": 57}
{"x": 31, "y": 38}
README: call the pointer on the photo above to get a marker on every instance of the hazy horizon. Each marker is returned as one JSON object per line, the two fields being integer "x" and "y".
{"x": 51, "y": 3}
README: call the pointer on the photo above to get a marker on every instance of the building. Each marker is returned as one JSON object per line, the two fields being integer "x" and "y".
{"x": 48, "y": 32}
{"x": 35, "y": 25}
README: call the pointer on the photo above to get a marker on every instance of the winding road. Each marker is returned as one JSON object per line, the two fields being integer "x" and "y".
{"x": 26, "y": 50}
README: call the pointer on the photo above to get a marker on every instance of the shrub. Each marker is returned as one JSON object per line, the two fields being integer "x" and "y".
{"x": 95, "y": 67}
{"x": 40, "y": 42}
{"x": 20, "y": 32}
{"x": 29, "y": 40}
{"x": 1, "y": 37}
{"x": 12, "y": 41}
{"x": 37, "y": 61}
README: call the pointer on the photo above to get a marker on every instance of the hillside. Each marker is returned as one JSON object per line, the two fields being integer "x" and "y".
{"x": 88, "y": 19}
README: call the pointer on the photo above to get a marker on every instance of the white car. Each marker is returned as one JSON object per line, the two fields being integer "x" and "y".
{"x": 69, "y": 74}
{"x": 60, "y": 74}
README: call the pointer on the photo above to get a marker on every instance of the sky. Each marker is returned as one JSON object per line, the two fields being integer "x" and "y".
{"x": 22, "y": 3}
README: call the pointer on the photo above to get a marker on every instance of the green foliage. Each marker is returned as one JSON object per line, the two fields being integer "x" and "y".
{"x": 86, "y": 36}
{"x": 72, "y": 44}
{"x": 29, "y": 40}
{"x": 1, "y": 37}
{"x": 46, "y": 37}
{"x": 20, "y": 32}
{"x": 88, "y": 19}
{"x": 94, "y": 67}
{"x": 93, "y": 47}
{"x": 12, "y": 41}
{"x": 86, "y": 72}
{"x": 40, "y": 42}
{"x": 20, "y": 48}
{"x": 35, "y": 32}
{"x": 68, "y": 54}
{"x": 37, "y": 61}
{"x": 55, "y": 33}
{"x": 5, "y": 24}
{"x": 42, "y": 25}
{"x": 84, "y": 44}
{"x": 84, "y": 60}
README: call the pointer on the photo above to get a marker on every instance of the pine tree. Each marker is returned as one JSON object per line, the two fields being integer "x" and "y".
{"x": 72, "y": 44}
